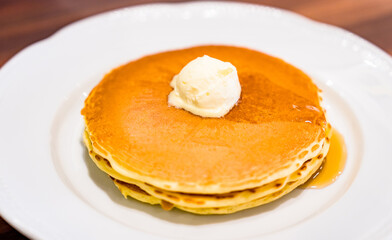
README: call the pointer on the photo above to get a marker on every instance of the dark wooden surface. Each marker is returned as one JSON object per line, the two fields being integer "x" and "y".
{"x": 23, "y": 22}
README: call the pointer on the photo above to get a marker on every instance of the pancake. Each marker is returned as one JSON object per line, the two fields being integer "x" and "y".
{"x": 163, "y": 155}
{"x": 211, "y": 204}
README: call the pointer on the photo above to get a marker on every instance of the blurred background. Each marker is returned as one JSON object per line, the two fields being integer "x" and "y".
{"x": 23, "y": 22}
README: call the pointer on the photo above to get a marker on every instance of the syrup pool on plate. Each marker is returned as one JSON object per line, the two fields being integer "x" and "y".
{"x": 333, "y": 164}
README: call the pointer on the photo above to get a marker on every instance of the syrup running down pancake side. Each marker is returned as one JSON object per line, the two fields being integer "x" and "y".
{"x": 276, "y": 129}
{"x": 333, "y": 164}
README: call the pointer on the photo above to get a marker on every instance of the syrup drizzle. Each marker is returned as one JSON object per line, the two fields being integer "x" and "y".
{"x": 333, "y": 165}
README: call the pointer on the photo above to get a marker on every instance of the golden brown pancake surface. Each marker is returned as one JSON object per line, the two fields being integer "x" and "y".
{"x": 277, "y": 116}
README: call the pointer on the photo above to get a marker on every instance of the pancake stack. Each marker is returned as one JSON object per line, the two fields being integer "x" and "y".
{"x": 272, "y": 141}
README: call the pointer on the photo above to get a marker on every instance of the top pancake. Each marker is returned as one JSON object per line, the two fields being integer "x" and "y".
{"x": 261, "y": 139}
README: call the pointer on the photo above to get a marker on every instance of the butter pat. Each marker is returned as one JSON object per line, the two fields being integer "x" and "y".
{"x": 206, "y": 87}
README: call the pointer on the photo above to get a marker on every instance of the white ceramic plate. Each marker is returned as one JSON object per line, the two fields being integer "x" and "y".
{"x": 49, "y": 189}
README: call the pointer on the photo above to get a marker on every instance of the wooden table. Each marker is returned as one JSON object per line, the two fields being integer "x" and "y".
{"x": 23, "y": 22}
